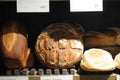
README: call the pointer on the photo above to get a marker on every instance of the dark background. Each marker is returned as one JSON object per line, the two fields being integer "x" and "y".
{"x": 60, "y": 12}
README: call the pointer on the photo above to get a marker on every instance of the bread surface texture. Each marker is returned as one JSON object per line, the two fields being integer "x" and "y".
{"x": 14, "y": 46}
{"x": 59, "y": 46}
{"x": 96, "y": 59}
{"x": 117, "y": 60}
{"x": 109, "y": 36}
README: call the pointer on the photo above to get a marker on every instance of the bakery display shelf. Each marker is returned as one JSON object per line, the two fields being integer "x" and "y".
{"x": 57, "y": 74}
{"x": 39, "y": 77}
{"x": 41, "y": 74}
{"x": 41, "y": 71}
{"x": 62, "y": 77}
{"x": 61, "y": 10}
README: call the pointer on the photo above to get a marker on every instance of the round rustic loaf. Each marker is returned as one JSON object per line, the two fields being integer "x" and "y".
{"x": 60, "y": 45}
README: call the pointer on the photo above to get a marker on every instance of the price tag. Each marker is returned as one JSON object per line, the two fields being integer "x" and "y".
{"x": 32, "y": 5}
{"x": 118, "y": 77}
{"x": 86, "y": 5}
{"x": 13, "y": 78}
{"x": 57, "y": 77}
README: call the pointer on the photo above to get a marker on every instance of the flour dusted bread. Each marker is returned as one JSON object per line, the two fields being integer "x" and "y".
{"x": 60, "y": 45}
{"x": 117, "y": 60}
{"x": 14, "y": 46}
{"x": 97, "y": 60}
{"x": 109, "y": 36}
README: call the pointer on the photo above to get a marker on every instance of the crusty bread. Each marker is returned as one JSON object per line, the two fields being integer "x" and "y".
{"x": 59, "y": 46}
{"x": 102, "y": 37}
{"x": 117, "y": 60}
{"x": 14, "y": 46}
{"x": 96, "y": 59}
{"x": 114, "y": 50}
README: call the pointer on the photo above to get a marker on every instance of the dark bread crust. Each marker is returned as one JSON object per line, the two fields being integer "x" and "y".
{"x": 109, "y": 36}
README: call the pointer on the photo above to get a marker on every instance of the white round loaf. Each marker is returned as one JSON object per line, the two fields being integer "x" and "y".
{"x": 117, "y": 60}
{"x": 96, "y": 59}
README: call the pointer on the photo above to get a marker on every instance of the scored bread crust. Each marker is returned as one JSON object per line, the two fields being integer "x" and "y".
{"x": 109, "y": 36}
{"x": 97, "y": 39}
{"x": 14, "y": 46}
{"x": 59, "y": 46}
{"x": 15, "y": 50}
{"x": 97, "y": 60}
{"x": 9, "y": 40}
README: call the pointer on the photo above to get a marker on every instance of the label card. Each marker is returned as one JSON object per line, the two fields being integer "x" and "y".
{"x": 57, "y": 77}
{"x": 86, "y": 5}
{"x": 32, "y": 5}
{"x": 118, "y": 77}
{"x": 13, "y": 78}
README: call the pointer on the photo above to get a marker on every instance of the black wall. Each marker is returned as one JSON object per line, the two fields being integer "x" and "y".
{"x": 60, "y": 12}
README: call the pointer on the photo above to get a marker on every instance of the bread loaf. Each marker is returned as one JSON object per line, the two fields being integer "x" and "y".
{"x": 96, "y": 59}
{"x": 117, "y": 60}
{"x": 103, "y": 37}
{"x": 114, "y": 50}
{"x": 14, "y": 46}
{"x": 60, "y": 45}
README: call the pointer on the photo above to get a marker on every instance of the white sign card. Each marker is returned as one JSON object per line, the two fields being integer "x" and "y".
{"x": 57, "y": 77}
{"x": 13, "y": 78}
{"x": 32, "y": 5}
{"x": 86, "y": 5}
